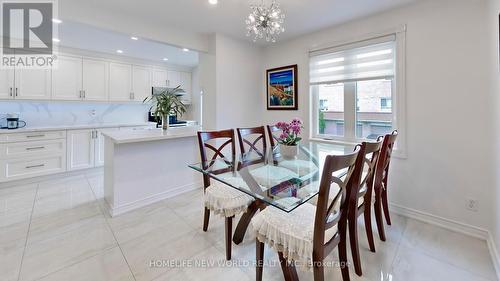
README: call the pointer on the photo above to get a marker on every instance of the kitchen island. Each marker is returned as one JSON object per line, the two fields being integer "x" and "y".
{"x": 145, "y": 166}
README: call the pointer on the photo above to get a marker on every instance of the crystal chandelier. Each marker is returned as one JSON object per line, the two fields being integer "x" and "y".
{"x": 265, "y": 22}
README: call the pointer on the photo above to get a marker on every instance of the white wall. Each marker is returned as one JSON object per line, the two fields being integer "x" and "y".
{"x": 239, "y": 84}
{"x": 449, "y": 109}
{"x": 493, "y": 31}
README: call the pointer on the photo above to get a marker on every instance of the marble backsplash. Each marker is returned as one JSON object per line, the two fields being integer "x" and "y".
{"x": 42, "y": 114}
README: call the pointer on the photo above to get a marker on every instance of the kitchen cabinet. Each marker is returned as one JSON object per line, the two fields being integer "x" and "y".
{"x": 33, "y": 84}
{"x": 173, "y": 79}
{"x": 186, "y": 81}
{"x": 120, "y": 82}
{"x": 67, "y": 79}
{"x": 141, "y": 82}
{"x": 81, "y": 149}
{"x": 26, "y": 155}
{"x": 95, "y": 79}
{"x": 160, "y": 78}
{"x": 6, "y": 83}
{"x": 99, "y": 145}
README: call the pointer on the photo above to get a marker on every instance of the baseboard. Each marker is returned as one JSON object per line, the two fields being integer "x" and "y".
{"x": 440, "y": 221}
{"x": 494, "y": 254}
{"x": 118, "y": 210}
{"x": 455, "y": 226}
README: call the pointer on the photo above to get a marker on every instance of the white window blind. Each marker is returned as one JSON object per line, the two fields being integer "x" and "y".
{"x": 372, "y": 59}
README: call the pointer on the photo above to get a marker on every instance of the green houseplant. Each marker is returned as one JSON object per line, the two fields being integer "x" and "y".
{"x": 166, "y": 103}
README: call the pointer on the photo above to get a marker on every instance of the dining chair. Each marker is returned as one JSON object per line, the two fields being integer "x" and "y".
{"x": 309, "y": 233}
{"x": 380, "y": 181}
{"x": 258, "y": 135}
{"x": 218, "y": 197}
{"x": 360, "y": 198}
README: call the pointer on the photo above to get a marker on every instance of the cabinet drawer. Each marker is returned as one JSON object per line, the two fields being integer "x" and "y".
{"x": 32, "y": 148}
{"x": 32, "y": 136}
{"x": 31, "y": 167}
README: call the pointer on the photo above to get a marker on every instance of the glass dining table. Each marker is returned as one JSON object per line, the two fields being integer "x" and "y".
{"x": 271, "y": 178}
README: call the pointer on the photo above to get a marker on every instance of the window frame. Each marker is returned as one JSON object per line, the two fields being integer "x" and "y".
{"x": 398, "y": 98}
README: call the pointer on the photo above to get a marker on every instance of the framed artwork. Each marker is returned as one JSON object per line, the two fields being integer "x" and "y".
{"x": 281, "y": 85}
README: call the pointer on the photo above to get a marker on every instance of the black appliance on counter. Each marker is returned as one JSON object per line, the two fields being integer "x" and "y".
{"x": 12, "y": 121}
{"x": 172, "y": 120}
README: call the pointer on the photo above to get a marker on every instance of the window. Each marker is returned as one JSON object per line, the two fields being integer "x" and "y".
{"x": 353, "y": 87}
{"x": 385, "y": 103}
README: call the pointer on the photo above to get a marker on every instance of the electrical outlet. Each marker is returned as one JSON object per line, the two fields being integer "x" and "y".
{"x": 472, "y": 205}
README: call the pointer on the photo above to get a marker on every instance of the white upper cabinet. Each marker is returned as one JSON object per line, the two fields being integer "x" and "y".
{"x": 6, "y": 83}
{"x": 90, "y": 79}
{"x": 67, "y": 78}
{"x": 120, "y": 82}
{"x": 141, "y": 82}
{"x": 173, "y": 78}
{"x": 160, "y": 78}
{"x": 95, "y": 79}
{"x": 34, "y": 84}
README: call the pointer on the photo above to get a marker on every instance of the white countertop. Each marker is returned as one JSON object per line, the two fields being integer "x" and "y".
{"x": 28, "y": 129}
{"x": 154, "y": 134}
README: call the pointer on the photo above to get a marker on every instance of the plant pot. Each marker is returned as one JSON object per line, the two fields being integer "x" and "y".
{"x": 289, "y": 151}
{"x": 165, "y": 122}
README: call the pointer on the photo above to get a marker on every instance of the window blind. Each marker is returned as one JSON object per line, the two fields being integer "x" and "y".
{"x": 373, "y": 59}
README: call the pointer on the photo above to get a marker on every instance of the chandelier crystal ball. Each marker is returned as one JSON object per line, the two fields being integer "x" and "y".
{"x": 265, "y": 22}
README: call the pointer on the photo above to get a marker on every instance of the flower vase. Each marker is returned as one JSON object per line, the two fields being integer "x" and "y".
{"x": 165, "y": 122}
{"x": 289, "y": 151}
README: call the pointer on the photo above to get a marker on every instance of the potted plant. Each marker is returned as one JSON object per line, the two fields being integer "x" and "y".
{"x": 166, "y": 103}
{"x": 289, "y": 138}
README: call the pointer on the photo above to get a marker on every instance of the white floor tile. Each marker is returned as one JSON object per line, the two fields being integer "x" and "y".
{"x": 162, "y": 244}
{"x": 55, "y": 253}
{"x": 411, "y": 265}
{"x": 452, "y": 247}
{"x": 107, "y": 266}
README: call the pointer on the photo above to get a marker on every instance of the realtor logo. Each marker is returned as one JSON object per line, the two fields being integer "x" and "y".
{"x": 27, "y": 32}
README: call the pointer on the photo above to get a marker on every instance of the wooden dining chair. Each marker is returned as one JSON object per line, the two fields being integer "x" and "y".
{"x": 218, "y": 197}
{"x": 380, "y": 181}
{"x": 257, "y": 144}
{"x": 309, "y": 233}
{"x": 360, "y": 198}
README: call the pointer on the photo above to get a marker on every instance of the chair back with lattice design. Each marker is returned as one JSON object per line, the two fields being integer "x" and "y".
{"x": 215, "y": 142}
{"x": 382, "y": 170}
{"x": 254, "y": 139}
{"x": 271, "y": 133}
{"x": 339, "y": 170}
{"x": 366, "y": 164}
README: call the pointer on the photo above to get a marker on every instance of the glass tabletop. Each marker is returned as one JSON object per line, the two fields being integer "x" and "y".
{"x": 283, "y": 182}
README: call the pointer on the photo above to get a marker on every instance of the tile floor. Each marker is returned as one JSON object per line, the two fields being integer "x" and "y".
{"x": 57, "y": 230}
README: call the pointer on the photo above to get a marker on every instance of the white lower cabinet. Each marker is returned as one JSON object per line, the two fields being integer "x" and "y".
{"x": 81, "y": 145}
{"x": 99, "y": 148}
{"x": 27, "y": 155}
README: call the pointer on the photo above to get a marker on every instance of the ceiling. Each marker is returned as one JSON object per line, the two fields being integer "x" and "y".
{"x": 228, "y": 16}
{"x": 86, "y": 37}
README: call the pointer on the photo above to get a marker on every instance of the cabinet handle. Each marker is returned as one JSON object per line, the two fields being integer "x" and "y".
{"x": 10, "y": 91}
{"x": 35, "y": 166}
{"x": 35, "y": 148}
{"x": 81, "y": 96}
{"x": 132, "y": 96}
{"x": 83, "y": 93}
{"x": 16, "y": 91}
{"x": 35, "y": 136}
